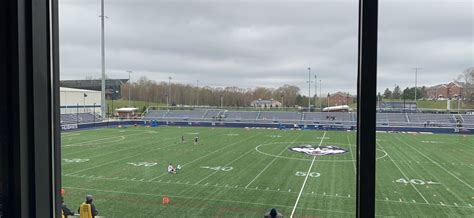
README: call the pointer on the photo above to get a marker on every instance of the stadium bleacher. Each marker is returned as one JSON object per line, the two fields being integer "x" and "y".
{"x": 180, "y": 114}
{"x": 433, "y": 119}
{"x": 240, "y": 115}
{"x": 344, "y": 118}
{"x": 329, "y": 117}
{"x": 392, "y": 118}
{"x": 79, "y": 118}
{"x": 279, "y": 116}
{"x": 211, "y": 114}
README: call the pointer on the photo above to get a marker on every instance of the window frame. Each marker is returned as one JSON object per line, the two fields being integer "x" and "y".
{"x": 30, "y": 51}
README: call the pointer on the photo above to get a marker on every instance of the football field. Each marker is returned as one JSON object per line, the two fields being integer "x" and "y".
{"x": 245, "y": 172}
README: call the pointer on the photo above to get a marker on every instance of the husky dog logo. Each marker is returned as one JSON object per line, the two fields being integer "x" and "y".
{"x": 319, "y": 150}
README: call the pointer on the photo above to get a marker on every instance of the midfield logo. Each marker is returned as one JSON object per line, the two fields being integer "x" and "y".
{"x": 318, "y": 151}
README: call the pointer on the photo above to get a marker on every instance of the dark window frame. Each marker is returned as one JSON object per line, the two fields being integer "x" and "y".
{"x": 29, "y": 52}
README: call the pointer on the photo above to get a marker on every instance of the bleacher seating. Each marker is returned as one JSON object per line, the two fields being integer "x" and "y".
{"x": 179, "y": 114}
{"x": 421, "y": 118}
{"x": 468, "y": 119}
{"x": 326, "y": 117}
{"x": 210, "y": 114}
{"x": 79, "y": 118}
{"x": 391, "y": 118}
{"x": 345, "y": 118}
{"x": 240, "y": 115}
{"x": 279, "y": 116}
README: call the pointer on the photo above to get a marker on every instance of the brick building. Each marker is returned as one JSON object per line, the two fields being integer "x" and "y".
{"x": 340, "y": 98}
{"x": 450, "y": 90}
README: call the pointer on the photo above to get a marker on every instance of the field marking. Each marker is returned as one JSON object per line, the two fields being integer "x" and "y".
{"x": 101, "y": 147}
{"x": 350, "y": 149}
{"x": 306, "y": 179}
{"x": 207, "y": 155}
{"x": 69, "y": 134}
{"x": 257, "y": 190}
{"x": 116, "y": 160}
{"x": 121, "y": 138}
{"x": 309, "y": 159}
{"x": 404, "y": 175}
{"x": 268, "y": 165}
{"x": 95, "y": 140}
{"x": 202, "y": 199}
{"x": 435, "y": 163}
{"x": 236, "y": 159}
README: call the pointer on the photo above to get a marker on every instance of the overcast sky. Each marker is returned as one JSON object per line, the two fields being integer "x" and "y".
{"x": 265, "y": 43}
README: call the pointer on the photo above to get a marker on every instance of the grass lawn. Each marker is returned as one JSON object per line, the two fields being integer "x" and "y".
{"x": 246, "y": 172}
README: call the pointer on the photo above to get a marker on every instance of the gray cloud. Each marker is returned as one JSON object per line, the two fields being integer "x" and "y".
{"x": 265, "y": 43}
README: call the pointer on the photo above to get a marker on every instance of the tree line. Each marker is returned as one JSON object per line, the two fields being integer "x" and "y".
{"x": 185, "y": 94}
{"x": 408, "y": 93}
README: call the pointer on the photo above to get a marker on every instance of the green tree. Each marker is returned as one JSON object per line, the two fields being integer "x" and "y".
{"x": 397, "y": 92}
{"x": 387, "y": 93}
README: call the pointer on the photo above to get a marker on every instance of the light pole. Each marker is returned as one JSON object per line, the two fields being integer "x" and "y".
{"x": 129, "y": 85}
{"x": 282, "y": 102}
{"x": 222, "y": 100}
{"x": 320, "y": 93}
{"x": 103, "y": 102}
{"x": 169, "y": 92}
{"x": 416, "y": 80}
{"x": 84, "y": 103}
{"x": 309, "y": 89}
{"x": 197, "y": 93}
{"x": 315, "y": 89}
{"x": 328, "y": 102}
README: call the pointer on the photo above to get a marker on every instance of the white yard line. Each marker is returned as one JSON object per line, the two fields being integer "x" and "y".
{"x": 269, "y": 164}
{"x": 123, "y": 142}
{"x": 97, "y": 140}
{"x": 436, "y": 163}
{"x": 236, "y": 159}
{"x": 253, "y": 190}
{"x": 203, "y": 199}
{"x": 354, "y": 158}
{"x": 305, "y": 179}
{"x": 206, "y": 155}
{"x": 116, "y": 160}
{"x": 404, "y": 175}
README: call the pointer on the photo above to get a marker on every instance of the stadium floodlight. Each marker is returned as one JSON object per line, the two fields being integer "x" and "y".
{"x": 309, "y": 89}
{"x": 416, "y": 80}
{"x": 320, "y": 104}
{"x": 315, "y": 90}
{"x": 169, "y": 92}
{"x": 197, "y": 93}
{"x": 102, "y": 100}
{"x": 129, "y": 85}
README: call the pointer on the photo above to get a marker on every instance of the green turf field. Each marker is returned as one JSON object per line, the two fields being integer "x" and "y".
{"x": 246, "y": 172}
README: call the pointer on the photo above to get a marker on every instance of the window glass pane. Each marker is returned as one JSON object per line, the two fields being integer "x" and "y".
{"x": 214, "y": 108}
{"x": 425, "y": 164}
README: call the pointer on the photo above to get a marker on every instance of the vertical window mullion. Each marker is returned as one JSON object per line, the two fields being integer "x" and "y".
{"x": 366, "y": 111}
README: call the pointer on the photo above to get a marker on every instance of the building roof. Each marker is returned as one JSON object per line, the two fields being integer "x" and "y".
{"x": 126, "y": 109}
{"x": 94, "y": 84}
{"x": 260, "y": 101}
{"x": 65, "y": 89}
{"x": 344, "y": 94}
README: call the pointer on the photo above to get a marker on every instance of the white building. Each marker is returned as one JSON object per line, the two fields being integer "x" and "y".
{"x": 79, "y": 101}
{"x": 265, "y": 103}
